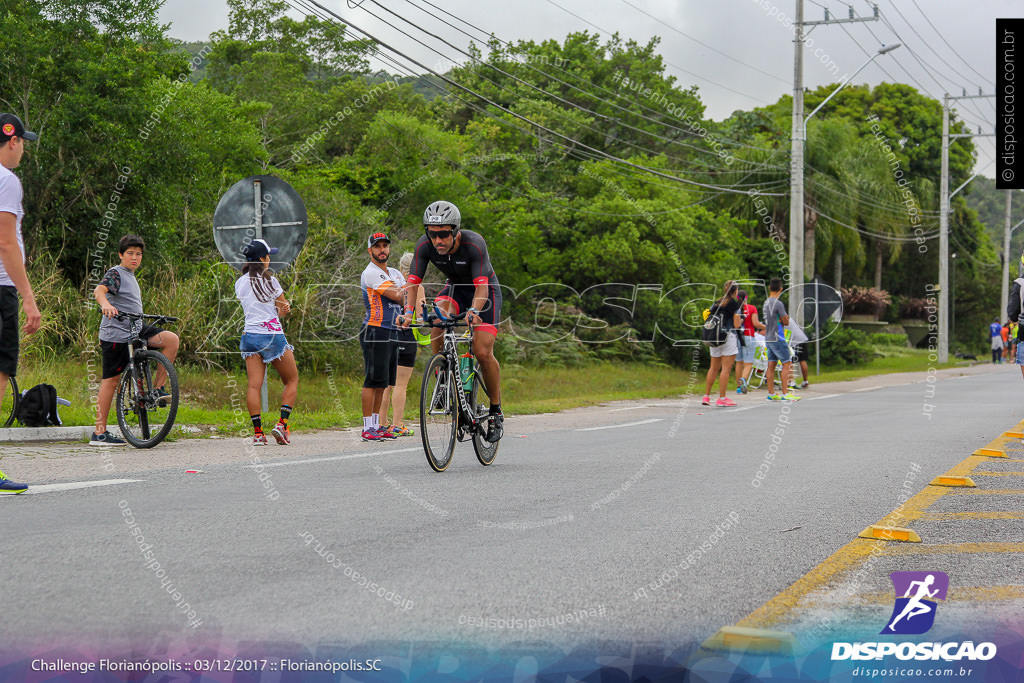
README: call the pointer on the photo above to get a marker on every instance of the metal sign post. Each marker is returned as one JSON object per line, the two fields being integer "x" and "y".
{"x": 260, "y": 207}
{"x": 826, "y": 300}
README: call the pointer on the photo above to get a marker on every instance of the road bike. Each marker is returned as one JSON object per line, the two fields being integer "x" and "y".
{"x": 9, "y": 408}
{"x": 453, "y": 397}
{"x": 145, "y": 417}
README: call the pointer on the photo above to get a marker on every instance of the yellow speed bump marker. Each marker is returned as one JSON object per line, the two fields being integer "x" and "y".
{"x": 990, "y": 452}
{"x": 890, "y": 533}
{"x": 944, "y": 480}
{"x": 741, "y": 638}
{"x": 1014, "y": 435}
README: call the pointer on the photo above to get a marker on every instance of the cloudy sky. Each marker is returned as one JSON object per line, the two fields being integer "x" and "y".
{"x": 739, "y": 53}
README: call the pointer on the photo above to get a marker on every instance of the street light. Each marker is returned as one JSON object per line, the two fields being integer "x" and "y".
{"x": 796, "y": 196}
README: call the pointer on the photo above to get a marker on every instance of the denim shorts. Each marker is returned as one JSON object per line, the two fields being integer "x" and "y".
{"x": 746, "y": 352}
{"x": 779, "y": 351}
{"x": 269, "y": 346}
{"x": 1020, "y": 354}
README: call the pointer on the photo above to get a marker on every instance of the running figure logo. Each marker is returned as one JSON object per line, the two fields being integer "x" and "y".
{"x": 914, "y": 613}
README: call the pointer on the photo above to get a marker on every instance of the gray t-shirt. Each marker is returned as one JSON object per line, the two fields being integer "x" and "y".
{"x": 124, "y": 294}
{"x": 774, "y": 310}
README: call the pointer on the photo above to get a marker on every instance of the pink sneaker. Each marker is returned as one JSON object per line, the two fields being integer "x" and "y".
{"x": 725, "y": 402}
{"x": 706, "y": 401}
{"x": 371, "y": 435}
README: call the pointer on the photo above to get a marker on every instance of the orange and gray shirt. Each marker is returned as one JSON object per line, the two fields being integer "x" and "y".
{"x": 380, "y": 310}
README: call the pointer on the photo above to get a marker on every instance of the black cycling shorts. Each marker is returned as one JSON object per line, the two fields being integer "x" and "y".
{"x": 9, "y": 330}
{"x": 407, "y": 348}
{"x": 462, "y": 297}
{"x": 380, "y": 356}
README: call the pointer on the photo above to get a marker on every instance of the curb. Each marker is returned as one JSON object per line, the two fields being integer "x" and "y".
{"x": 18, "y": 434}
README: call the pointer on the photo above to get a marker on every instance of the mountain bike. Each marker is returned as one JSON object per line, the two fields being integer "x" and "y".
{"x": 144, "y": 416}
{"x": 453, "y": 402}
{"x": 9, "y": 408}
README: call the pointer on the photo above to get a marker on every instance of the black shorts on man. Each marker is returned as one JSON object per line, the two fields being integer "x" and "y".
{"x": 9, "y": 330}
{"x": 380, "y": 356}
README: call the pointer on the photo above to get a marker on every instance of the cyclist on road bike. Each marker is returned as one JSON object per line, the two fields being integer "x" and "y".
{"x": 471, "y": 285}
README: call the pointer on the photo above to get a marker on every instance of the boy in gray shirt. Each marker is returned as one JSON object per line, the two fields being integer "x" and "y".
{"x": 778, "y": 349}
{"x": 118, "y": 292}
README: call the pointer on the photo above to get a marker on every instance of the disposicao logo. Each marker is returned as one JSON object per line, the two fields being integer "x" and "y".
{"x": 914, "y": 613}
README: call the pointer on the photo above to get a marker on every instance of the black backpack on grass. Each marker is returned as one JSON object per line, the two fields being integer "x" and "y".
{"x": 38, "y": 407}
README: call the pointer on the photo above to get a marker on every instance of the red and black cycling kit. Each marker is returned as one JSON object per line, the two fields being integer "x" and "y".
{"x": 465, "y": 268}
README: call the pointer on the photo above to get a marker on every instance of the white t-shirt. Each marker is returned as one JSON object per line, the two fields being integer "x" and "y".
{"x": 260, "y": 317}
{"x": 10, "y": 202}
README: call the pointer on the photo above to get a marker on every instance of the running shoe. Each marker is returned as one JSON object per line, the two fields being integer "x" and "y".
{"x": 805, "y": 384}
{"x": 706, "y": 401}
{"x": 161, "y": 397}
{"x": 8, "y": 486}
{"x": 725, "y": 402}
{"x": 402, "y": 431}
{"x": 371, "y": 435}
{"x": 385, "y": 433}
{"x": 282, "y": 434}
{"x": 106, "y": 439}
{"x": 774, "y": 397}
{"x": 259, "y": 439}
{"x": 790, "y": 397}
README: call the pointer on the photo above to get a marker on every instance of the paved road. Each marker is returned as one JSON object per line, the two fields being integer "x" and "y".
{"x": 640, "y": 522}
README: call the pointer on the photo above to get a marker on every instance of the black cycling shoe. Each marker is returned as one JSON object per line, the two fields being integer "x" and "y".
{"x": 495, "y": 427}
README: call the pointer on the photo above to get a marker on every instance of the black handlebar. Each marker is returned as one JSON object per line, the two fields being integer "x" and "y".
{"x": 157, "y": 319}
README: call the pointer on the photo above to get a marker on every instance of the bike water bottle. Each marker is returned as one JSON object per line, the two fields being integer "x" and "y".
{"x": 466, "y": 369}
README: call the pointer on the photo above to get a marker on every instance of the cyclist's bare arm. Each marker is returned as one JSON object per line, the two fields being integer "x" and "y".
{"x": 100, "y": 294}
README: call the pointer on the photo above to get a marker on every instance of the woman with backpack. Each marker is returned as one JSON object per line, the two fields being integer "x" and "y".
{"x": 723, "y": 355}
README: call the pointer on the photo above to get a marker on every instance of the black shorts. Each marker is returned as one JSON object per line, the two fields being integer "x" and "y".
{"x": 802, "y": 354}
{"x": 9, "y": 330}
{"x": 462, "y": 297}
{"x": 407, "y": 348}
{"x": 115, "y": 354}
{"x": 380, "y": 356}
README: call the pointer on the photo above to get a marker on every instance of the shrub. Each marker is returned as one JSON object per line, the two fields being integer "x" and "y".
{"x": 915, "y": 308}
{"x": 846, "y": 346}
{"x": 865, "y": 300}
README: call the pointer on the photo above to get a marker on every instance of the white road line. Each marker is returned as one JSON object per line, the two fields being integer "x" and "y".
{"x": 73, "y": 485}
{"x": 619, "y": 410}
{"x": 368, "y": 454}
{"x": 857, "y": 391}
{"x": 818, "y": 398}
{"x": 627, "y": 424}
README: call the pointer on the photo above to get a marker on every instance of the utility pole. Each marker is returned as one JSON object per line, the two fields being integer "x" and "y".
{"x": 799, "y": 135}
{"x": 944, "y": 198}
{"x": 1004, "y": 290}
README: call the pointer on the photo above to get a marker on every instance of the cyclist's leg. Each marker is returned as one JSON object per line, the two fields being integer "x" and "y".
{"x": 166, "y": 343}
{"x": 483, "y": 343}
{"x": 114, "y": 360}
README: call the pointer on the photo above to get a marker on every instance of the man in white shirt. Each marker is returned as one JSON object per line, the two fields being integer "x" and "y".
{"x": 13, "y": 276}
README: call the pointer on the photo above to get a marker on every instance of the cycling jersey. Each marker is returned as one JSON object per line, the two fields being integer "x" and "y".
{"x": 470, "y": 263}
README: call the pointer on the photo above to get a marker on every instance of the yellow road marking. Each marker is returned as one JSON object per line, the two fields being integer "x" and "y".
{"x": 944, "y": 516}
{"x": 999, "y": 474}
{"x": 987, "y": 492}
{"x": 953, "y": 548}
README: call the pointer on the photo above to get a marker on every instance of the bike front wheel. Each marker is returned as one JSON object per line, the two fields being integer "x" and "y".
{"x": 144, "y": 418}
{"x": 478, "y": 403}
{"x": 439, "y": 413}
{"x": 9, "y": 409}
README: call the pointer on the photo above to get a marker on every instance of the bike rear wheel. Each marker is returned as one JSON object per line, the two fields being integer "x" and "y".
{"x": 9, "y": 408}
{"x": 144, "y": 422}
{"x": 479, "y": 404}
{"x": 439, "y": 413}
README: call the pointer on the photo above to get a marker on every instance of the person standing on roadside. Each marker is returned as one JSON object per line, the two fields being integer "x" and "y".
{"x": 778, "y": 350}
{"x": 385, "y": 307}
{"x": 722, "y": 356}
{"x": 995, "y": 333}
{"x": 394, "y": 396}
{"x": 749, "y": 328}
{"x": 13, "y": 276}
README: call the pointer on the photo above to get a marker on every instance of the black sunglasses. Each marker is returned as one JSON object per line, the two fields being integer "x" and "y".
{"x": 439, "y": 234}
